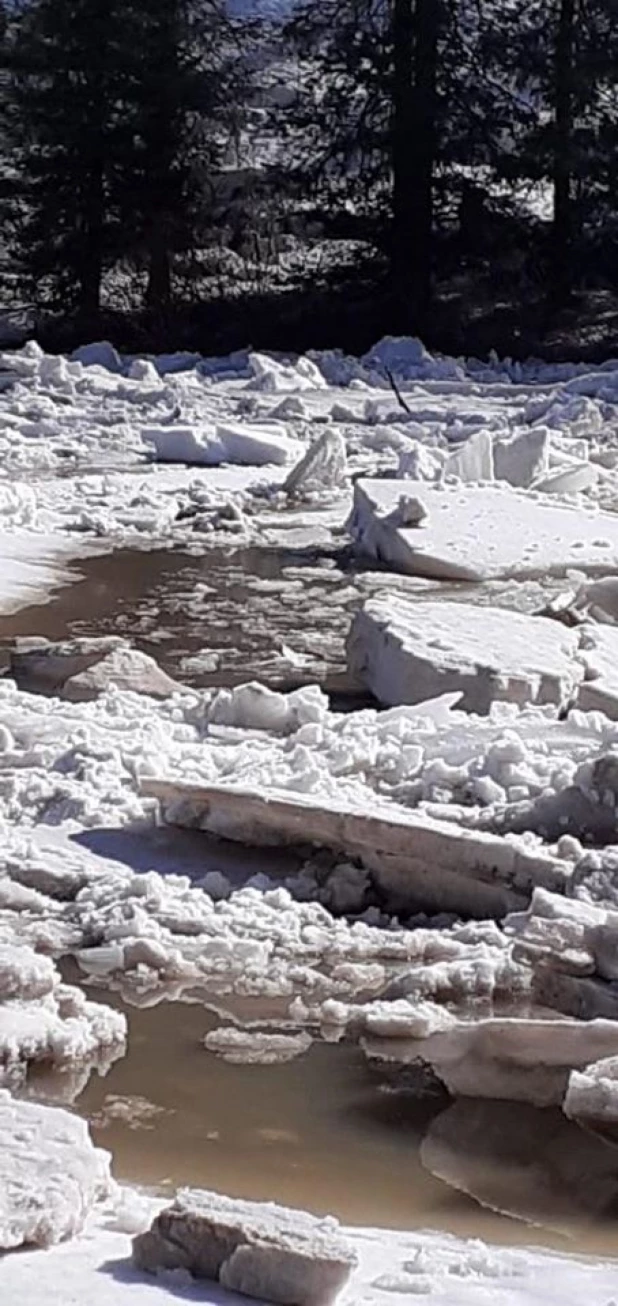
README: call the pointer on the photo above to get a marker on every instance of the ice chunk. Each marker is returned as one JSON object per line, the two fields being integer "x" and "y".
{"x": 99, "y": 354}
{"x": 82, "y": 669}
{"x": 51, "y": 1175}
{"x": 273, "y": 377}
{"x": 265, "y": 1251}
{"x": 570, "y": 479}
{"x": 598, "y": 599}
{"x": 407, "y": 652}
{"x": 324, "y": 466}
{"x": 251, "y": 1047}
{"x": 598, "y": 652}
{"x": 523, "y": 459}
{"x": 473, "y": 461}
{"x": 227, "y": 442}
{"x": 126, "y": 669}
{"x": 482, "y": 532}
{"x": 255, "y": 707}
{"x": 25, "y": 974}
{"x": 592, "y": 1094}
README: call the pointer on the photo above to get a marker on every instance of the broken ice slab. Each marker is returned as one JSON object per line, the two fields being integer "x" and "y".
{"x": 265, "y": 1251}
{"x": 512, "y": 1058}
{"x": 229, "y": 442}
{"x": 407, "y": 652}
{"x": 482, "y": 532}
{"x": 417, "y": 862}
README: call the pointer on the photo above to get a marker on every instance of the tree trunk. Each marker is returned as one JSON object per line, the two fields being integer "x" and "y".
{"x": 90, "y": 272}
{"x": 415, "y": 31}
{"x": 159, "y": 289}
{"x": 562, "y": 232}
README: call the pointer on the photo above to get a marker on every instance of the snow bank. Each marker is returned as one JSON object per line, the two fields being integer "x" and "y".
{"x": 51, "y": 1175}
{"x": 408, "y": 652}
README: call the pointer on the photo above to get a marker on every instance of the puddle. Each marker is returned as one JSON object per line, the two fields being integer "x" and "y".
{"x": 326, "y": 1132}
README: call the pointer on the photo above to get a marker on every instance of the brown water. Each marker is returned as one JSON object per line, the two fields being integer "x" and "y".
{"x": 327, "y": 1132}
{"x": 219, "y": 619}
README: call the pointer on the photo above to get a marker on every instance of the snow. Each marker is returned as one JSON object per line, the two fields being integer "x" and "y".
{"x": 96, "y": 1268}
{"x": 410, "y": 652}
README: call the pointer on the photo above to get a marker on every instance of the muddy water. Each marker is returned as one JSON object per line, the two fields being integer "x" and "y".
{"x": 219, "y": 619}
{"x": 228, "y": 616}
{"x": 327, "y": 1132}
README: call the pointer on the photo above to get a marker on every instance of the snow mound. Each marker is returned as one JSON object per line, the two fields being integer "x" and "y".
{"x": 51, "y": 1175}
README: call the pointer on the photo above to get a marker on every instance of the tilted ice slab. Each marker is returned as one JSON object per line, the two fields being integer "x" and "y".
{"x": 417, "y": 862}
{"x": 408, "y": 652}
{"x": 264, "y": 1251}
{"x": 481, "y": 532}
{"x": 51, "y": 1175}
{"x": 599, "y": 654}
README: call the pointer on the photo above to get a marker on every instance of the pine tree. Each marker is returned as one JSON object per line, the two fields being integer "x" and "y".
{"x": 67, "y": 71}
{"x": 185, "y": 93}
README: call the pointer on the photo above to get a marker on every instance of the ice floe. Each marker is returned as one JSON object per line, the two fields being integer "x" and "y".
{"x": 482, "y": 532}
